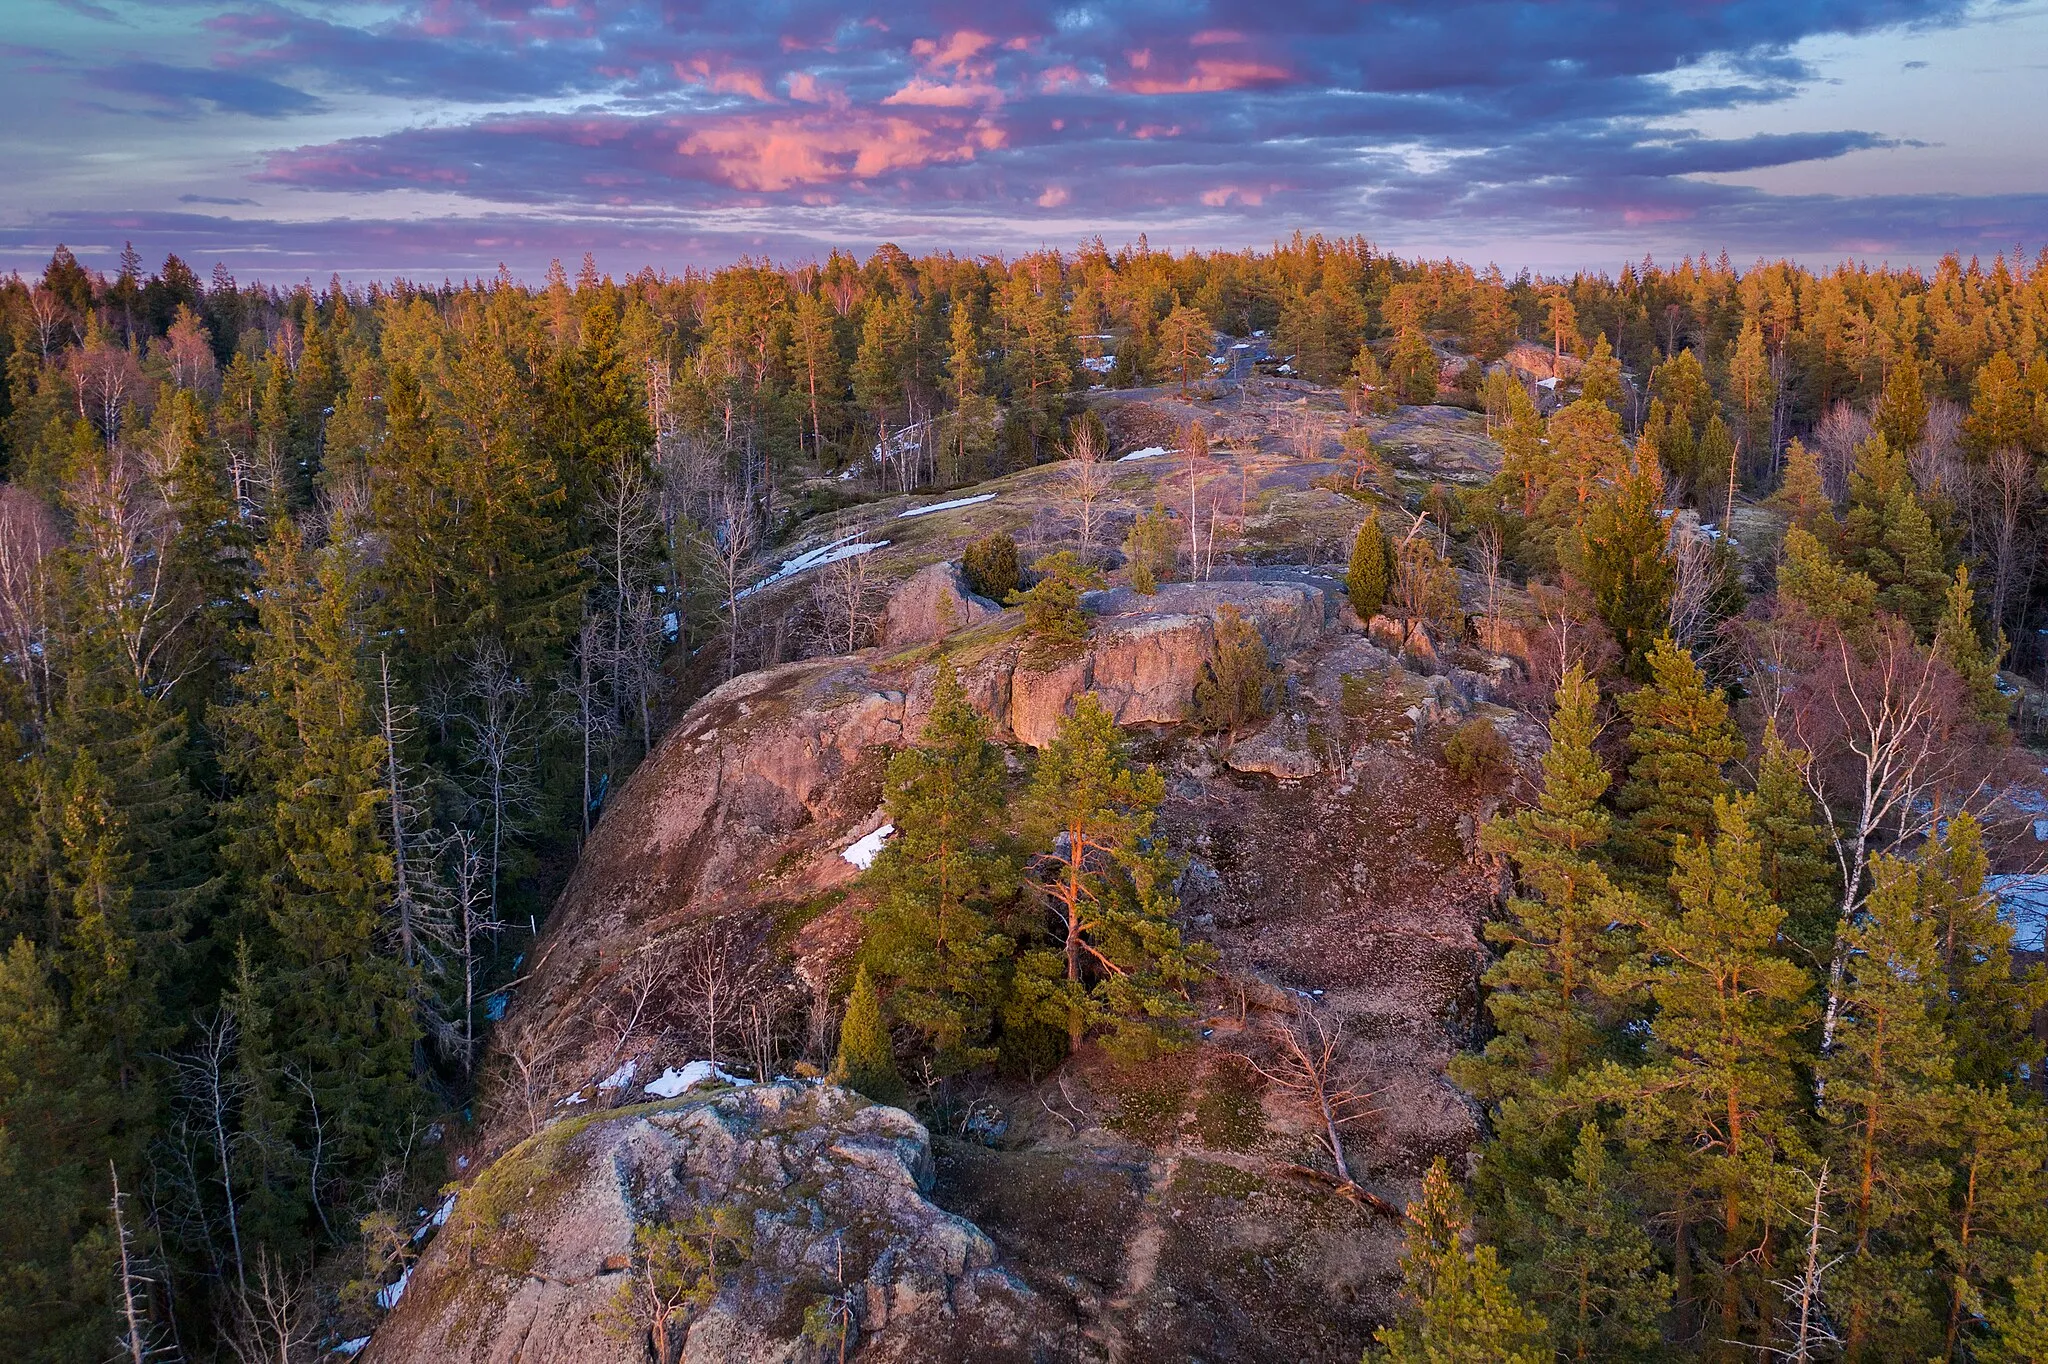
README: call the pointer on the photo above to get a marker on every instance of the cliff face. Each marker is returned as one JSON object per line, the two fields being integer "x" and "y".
{"x": 751, "y": 798}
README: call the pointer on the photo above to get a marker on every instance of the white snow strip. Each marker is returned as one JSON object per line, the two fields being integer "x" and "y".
{"x": 674, "y": 1082}
{"x": 621, "y": 1077}
{"x": 864, "y": 852}
{"x": 947, "y": 506}
{"x": 813, "y": 558}
{"x": 1149, "y": 452}
{"x": 389, "y": 1294}
{"x": 440, "y": 1218}
{"x": 570, "y": 1100}
{"x": 349, "y": 1349}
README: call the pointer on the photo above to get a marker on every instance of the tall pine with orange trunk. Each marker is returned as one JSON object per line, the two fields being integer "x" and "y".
{"x": 1715, "y": 1116}
{"x": 1886, "y": 1113}
{"x": 1117, "y": 966}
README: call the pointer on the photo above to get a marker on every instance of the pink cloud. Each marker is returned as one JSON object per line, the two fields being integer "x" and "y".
{"x": 942, "y": 95}
{"x": 724, "y": 80}
{"x": 1225, "y": 194}
{"x": 1055, "y": 196}
{"x": 1056, "y": 78}
{"x": 956, "y": 50}
{"x": 1147, "y": 132}
{"x": 1212, "y": 37}
{"x": 806, "y": 88}
{"x": 1208, "y": 77}
{"x": 774, "y": 154}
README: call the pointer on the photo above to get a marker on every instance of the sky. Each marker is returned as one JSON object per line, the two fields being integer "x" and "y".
{"x": 292, "y": 140}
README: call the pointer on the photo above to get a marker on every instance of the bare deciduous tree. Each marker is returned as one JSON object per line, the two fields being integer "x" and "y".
{"x": 212, "y": 1087}
{"x": 1307, "y": 1067}
{"x": 275, "y": 1318}
{"x": 125, "y": 534}
{"x": 461, "y": 924}
{"x": 27, "y": 537}
{"x": 714, "y": 983}
{"x": 581, "y": 702}
{"x": 729, "y": 545}
{"x": 1805, "y": 1330}
{"x": 1695, "y": 578}
{"x": 497, "y": 719}
{"x": 1084, "y": 480}
{"x": 848, "y": 594}
{"x": 529, "y": 1059}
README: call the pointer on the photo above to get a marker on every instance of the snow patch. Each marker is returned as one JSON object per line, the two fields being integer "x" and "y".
{"x": 844, "y": 548}
{"x": 673, "y": 1082}
{"x": 621, "y": 1077}
{"x": 571, "y": 1100}
{"x": 865, "y": 850}
{"x": 349, "y": 1349}
{"x": 947, "y": 506}
{"x": 1149, "y": 452}
{"x": 439, "y": 1219}
{"x": 389, "y": 1294}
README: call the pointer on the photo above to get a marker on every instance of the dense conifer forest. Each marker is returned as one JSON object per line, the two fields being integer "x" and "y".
{"x": 332, "y": 617}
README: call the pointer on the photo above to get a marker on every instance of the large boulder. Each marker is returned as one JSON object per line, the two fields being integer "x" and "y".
{"x": 832, "y": 1187}
{"x": 931, "y": 604}
{"x": 1145, "y": 653}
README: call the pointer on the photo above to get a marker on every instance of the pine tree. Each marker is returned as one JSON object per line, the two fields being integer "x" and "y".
{"x": 940, "y": 882}
{"x": 2020, "y": 1331}
{"x": 1119, "y": 965}
{"x": 1367, "y": 579}
{"x": 1812, "y": 579}
{"x": 1997, "y": 1206}
{"x": 1803, "y": 495}
{"x": 866, "y": 1060}
{"x": 1988, "y": 1007}
{"x": 1681, "y": 741}
{"x": 1714, "y": 1115}
{"x": 1887, "y": 1080}
{"x": 1902, "y": 408}
{"x": 1456, "y": 1305}
{"x": 1414, "y": 367}
{"x": 1600, "y": 380}
{"x": 1595, "y": 1274}
{"x": 1547, "y": 992}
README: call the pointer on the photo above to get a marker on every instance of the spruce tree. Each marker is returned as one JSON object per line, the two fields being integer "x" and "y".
{"x": 1887, "y": 1107}
{"x": 1799, "y": 869}
{"x": 1456, "y": 1305}
{"x": 866, "y": 1060}
{"x": 305, "y": 838}
{"x": 1621, "y": 558}
{"x": 1367, "y": 579}
{"x": 1118, "y": 965}
{"x": 1595, "y": 1273}
{"x": 1958, "y": 644}
{"x": 1681, "y": 741}
{"x": 942, "y": 880}
{"x": 58, "y": 1125}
